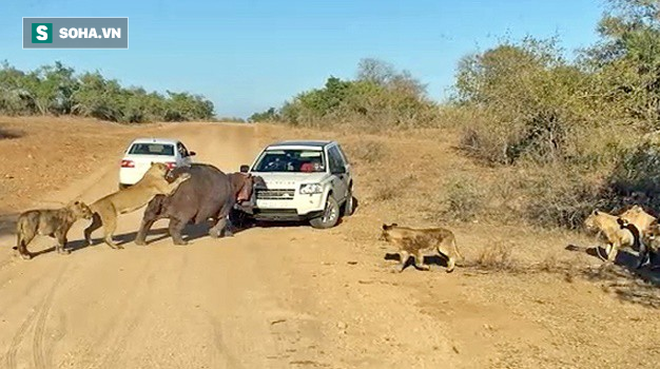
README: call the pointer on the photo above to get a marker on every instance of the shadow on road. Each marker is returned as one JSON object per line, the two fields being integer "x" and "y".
{"x": 627, "y": 260}
{"x": 640, "y": 286}
{"x": 428, "y": 260}
{"x": 8, "y": 224}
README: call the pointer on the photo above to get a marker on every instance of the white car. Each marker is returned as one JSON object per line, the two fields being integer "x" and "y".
{"x": 143, "y": 151}
{"x": 304, "y": 180}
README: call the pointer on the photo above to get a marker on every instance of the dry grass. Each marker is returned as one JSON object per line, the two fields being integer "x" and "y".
{"x": 392, "y": 188}
{"x": 496, "y": 257}
{"x": 369, "y": 152}
{"x": 464, "y": 199}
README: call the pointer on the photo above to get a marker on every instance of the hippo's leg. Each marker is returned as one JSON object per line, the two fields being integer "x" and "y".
{"x": 223, "y": 226}
{"x": 151, "y": 215}
{"x": 218, "y": 230}
{"x": 156, "y": 209}
{"x": 175, "y": 228}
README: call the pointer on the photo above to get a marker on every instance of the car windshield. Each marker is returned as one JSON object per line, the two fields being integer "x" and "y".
{"x": 151, "y": 149}
{"x": 298, "y": 161}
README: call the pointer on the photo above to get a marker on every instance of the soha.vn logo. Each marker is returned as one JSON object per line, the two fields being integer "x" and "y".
{"x": 42, "y": 33}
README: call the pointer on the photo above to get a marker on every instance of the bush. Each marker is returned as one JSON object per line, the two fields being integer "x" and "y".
{"x": 380, "y": 97}
{"x": 570, "y": 128}
{"x": 270, "y": 115}
{"x": 636, "y": 176}
{"x": 496, "y": 257}
{"x": 367, "y": 152}
{"x": 57, "y": 90}
{"x": 561, "y": 198}
{"x": 463, "y": 199}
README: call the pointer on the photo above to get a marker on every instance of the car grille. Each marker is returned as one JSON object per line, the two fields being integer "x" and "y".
{"x": 273, "y": 194}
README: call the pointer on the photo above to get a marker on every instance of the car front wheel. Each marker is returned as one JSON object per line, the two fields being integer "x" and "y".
{"x": 330, "y": 215}
{"x": 349, "y": 205}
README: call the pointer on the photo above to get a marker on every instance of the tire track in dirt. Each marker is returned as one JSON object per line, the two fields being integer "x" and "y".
{"x": 59, "y": 334}
{"x": 41, "y": 312}
{"x": 39, "y": 335}
{"x": 132, "y": 316}
{"x": 7, "y": 262}
{"x": 10, "y": 356}
{"x": 221, "y": 349}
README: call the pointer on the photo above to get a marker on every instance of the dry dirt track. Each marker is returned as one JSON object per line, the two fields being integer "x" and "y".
{"x": 260, "y": 299}
{"x": 292, "y": 297}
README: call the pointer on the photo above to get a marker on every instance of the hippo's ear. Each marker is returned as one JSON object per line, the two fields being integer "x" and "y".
{"x": 595, "y": 212}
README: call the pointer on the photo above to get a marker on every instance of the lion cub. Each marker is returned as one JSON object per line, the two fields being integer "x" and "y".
{"x": 154, "y": 182}
{"x": 417, "y": 242}
{"x": 48, "y": 222}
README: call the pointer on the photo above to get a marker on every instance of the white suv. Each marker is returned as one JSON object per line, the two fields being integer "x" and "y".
{"x": 144, "y": 151}
{"x": 304, "y": 180}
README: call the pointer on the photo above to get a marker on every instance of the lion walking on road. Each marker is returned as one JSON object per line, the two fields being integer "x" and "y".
{"x": 418, "y": 242}
{"x": 48, "y": 222}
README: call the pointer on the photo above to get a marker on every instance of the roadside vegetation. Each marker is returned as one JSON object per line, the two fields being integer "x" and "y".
{"x": 58, "y": 90}
{"x": 566, "y": 135}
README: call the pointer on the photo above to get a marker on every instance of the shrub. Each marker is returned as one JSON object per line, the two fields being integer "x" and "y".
{"x": 464, "y": 200}
{"x": 380, "y": 97}
{"x": 496, "y": 257}
{"x": 57, "y": 90}
{"x": 367, "y": 152}
{"x": 565, "y": 202}
{"x": 636, "y": 176}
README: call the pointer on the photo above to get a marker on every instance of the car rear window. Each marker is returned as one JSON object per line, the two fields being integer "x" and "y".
{"x": 151, "y": 149}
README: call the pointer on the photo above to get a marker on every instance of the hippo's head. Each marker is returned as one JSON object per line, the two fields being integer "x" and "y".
{"x": 243, "y": 184}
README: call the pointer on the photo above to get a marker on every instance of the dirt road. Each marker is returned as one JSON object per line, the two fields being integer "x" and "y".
{"x": 282, "y": 297}
{"x": 245, "y": 302}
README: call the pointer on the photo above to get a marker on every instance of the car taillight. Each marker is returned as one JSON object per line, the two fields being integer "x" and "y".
{"x": 170, "y": 165}
{"x": 127, "y": 164}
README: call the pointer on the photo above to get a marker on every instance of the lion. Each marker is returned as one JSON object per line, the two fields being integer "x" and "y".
{"x": 417, "y": 242}
{"x": 648, "y": 243}
{"x": 48, "y": 222}
{"x": 638, "y": 217}
{"x": 608, "y": 226}
{"x": 154, "y": 182}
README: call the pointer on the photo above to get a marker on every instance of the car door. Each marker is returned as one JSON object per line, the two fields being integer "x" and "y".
{"x": 339, "y": 174}
{"x": 347, "y": 165}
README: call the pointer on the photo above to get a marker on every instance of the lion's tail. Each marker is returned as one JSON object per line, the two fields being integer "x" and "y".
{"x": 19, "y": 233}
{"x": 461, "y": 259}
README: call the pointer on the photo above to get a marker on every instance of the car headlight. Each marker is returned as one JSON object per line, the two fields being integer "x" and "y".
{"x": 311, "y": 188}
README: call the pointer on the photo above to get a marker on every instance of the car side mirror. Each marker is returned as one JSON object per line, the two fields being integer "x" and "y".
{"x": 244, "y": 168}
{"x": 341, "y": 170}
{"x": 192, "y": 153}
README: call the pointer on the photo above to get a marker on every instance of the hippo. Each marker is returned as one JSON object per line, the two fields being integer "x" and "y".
{"x": 208, "y": 194}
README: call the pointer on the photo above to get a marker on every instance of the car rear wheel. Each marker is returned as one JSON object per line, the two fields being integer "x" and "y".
{"x": 330, "y": 215}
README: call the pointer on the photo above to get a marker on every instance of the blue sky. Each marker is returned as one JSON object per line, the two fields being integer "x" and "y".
{"x": 247, "y": 55}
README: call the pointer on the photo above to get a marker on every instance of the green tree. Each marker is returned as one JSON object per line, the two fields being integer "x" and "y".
{"x": 627, "y": 59}
{"x": 269, "y": 115}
